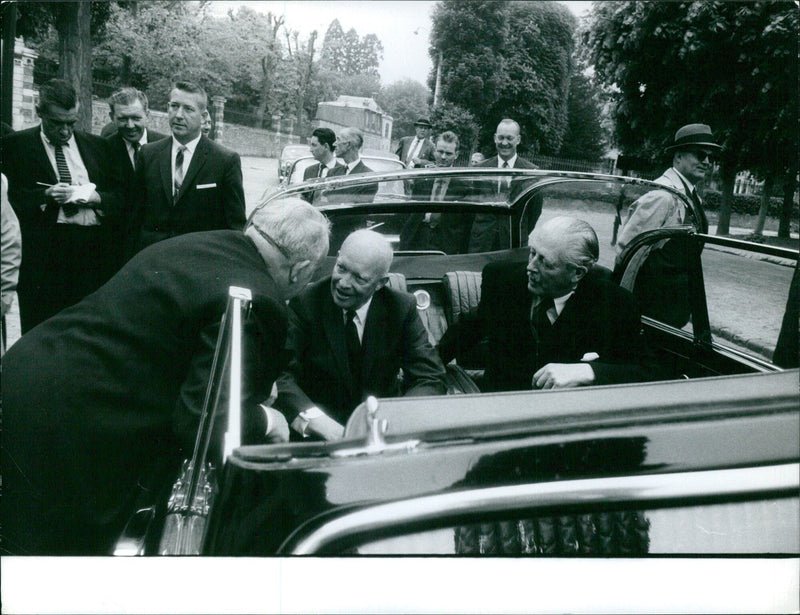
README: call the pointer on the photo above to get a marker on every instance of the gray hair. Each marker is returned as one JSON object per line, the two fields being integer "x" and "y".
{"x": 448, "y": 136}
{"x": 580, "y": 245}
{"x": 296, "y": 226}
{"x": 509, "y": 121}
{"x": 355, "y": 134}
{"x": 127, "y": 96}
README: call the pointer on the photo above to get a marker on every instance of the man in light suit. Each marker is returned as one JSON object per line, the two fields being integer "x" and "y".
{"x": 488, "y": 231}
{"x": 187, "y": 183}
{"x": 66, "y": 194}
{"x": 103, "y": 400}
{"x": 447, "y": 232}
{"x": 349, "y": 335}
{"x": 417, "y": 151}
{"x": 662, "y": 284}
{"x": 128, "y": 110}
{"x": 557, "y": 322}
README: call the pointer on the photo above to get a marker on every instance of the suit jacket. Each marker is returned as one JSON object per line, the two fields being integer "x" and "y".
{"x": 658, "y": 208}
{"x": 123, "y": 225}
{"x": 312, "y": 172}
{"x": 44, "y": 286}
{"x": 211, "y": 196}
{"x": 425, "y": 152}
{"x": 600, "y": 317}
{"x": 319, "y": 371}
{"x": 489, "y": 232}
{"x": 448, "y": 232}
{"x": 107, "y": 393}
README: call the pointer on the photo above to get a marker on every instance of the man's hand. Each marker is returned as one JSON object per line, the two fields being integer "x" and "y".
{"x": 326, "y": 428}
{"x": 560, "y": 375}
{"x": 277, "y": 427}
{"x": 59, "y": 192}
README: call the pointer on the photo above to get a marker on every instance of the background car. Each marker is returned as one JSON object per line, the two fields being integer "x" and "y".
{"x": 377, "y": 160}
{"x": 703, "y": 461}
{"x": 289, "y": 154}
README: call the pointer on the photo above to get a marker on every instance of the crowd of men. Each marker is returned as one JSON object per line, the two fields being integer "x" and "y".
{"x": 130, "y": 243}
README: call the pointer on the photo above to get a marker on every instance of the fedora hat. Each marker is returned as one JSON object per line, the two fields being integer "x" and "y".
{"x": 693, "y": 135}
{"x": 423, "y": 121}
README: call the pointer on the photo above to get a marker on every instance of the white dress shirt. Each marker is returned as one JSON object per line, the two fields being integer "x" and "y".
{"x": 86, "y": 216}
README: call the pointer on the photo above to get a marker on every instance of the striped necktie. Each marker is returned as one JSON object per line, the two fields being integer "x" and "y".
{"x": 178, "y": 178}
{"x": 63, "y": 167}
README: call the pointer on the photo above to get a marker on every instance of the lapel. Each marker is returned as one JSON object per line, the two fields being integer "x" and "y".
{"x": 333, "y": 325}
{"x": 198, "y": 160}
{"x": 41, "y": 159}
{"x": 375, "y": 331}
{"x": 122, "y": 151}
{"x": 89, "y": 161}
{"x": 165, "y": 167}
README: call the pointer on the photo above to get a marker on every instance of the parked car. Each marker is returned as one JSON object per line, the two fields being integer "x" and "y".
{"x": 704, "y": 461}
{"x": 289, "y": 154}
{"x": 376, "y": 160}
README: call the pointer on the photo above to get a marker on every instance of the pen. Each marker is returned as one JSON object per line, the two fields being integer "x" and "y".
{"x": 43, "y": 184}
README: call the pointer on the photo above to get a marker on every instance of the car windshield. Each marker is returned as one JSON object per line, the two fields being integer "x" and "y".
{"x": 376, "y": 163}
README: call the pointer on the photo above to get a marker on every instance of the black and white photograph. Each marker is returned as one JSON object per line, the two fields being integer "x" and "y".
{"x": 400, "y": 306}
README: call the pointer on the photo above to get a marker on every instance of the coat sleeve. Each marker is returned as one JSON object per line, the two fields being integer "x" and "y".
{"x": 10, "y": 250}
{"x": 292, "y": 400}
{"x": 233, "y": 193}
{"x": 650, "y": 211}
{"x": 423, "y": 372}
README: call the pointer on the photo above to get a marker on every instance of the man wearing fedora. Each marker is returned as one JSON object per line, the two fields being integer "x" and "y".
{"x": 693, "y": 151}
{"x": 662, "y": 282}
{"x": 417, "y": 151}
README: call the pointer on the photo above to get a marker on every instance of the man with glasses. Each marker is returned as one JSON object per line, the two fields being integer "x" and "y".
{"x": 662, "y": 283}
{"x": 348, "y": 147}
{"x": 104, "y": 398}
{"x": 66, "y": 193}
{"x": 693, "y": 155}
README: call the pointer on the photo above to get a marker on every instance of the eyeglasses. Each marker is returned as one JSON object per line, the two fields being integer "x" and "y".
{"x": 271, "y": 241}
{"x": 702, "y": 155}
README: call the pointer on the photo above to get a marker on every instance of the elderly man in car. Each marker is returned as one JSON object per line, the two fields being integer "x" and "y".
{"x": 557, "y": 321}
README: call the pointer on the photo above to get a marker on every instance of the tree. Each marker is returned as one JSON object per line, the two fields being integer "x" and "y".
{"x": 740, "y": 52}
{"x": 507, "y": 59}
{"x": 584, "y": 138}
{"x": 447, "y": 116}
{"x": 406, "y": 101}
{"x": 347, "y": 54}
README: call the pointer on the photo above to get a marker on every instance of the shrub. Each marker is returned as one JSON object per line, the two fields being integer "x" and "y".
{"x": 745, "y": 204}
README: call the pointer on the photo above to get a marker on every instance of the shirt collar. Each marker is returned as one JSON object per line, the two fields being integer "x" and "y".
{"x": 558, "y": 302}
{"x": 69, "y": 144}
{"x": 511, "y": 161}
{"x": 352, "y": 165}
{"x": 190, "y": 146}
{"x": 361, "y": 313}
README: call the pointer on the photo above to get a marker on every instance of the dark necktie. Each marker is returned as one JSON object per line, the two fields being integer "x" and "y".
{"x": 540, "y": 325}
{"x": 178, "y": 179}
{"x": 63, "y": 168}
{"x": 135, "y": 147}
{"x": 353, "y": 348}
{"x": 504, "y": 182}
{"x": 321, "y": 169}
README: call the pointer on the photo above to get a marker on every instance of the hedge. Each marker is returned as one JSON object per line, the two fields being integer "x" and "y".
{"x": 746, "y": 204}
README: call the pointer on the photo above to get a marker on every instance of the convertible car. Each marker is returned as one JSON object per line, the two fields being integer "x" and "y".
{"x": 704, "y": 460}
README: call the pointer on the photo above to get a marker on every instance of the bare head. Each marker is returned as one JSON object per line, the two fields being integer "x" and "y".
{"x": 128, "y": 111}
{"x": 562, "y": 251}
{"x": 362, "y": 268}
{"x": 507, "y": 138}
{"x": 348, "y": 143}
{"x": 292, "y": 237}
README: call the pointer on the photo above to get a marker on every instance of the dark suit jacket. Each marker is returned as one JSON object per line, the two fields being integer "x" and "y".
{"x": 448, "y": 232}
{"x": 600, "y": 318}
{"x": 425, "y": 152}
{"x": 123, "y": 225}
{"x": 319, "y": 372}
{"x": 211, "y": 196}
{"x": 45, "y": 287}
{"x": 353, "y": 194}
{"x": 108, "y": 391}
{"x": 488, "y": 231}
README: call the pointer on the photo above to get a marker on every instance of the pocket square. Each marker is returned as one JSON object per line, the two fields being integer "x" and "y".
{"x": 590, "y": 356}
{"x": 204, "y": 186}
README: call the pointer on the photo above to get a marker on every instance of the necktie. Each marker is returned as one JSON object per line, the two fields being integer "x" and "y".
{"x": 353, "y": 347}
{"x": 178, "y": 179}
{"x": 63, "y": 169}
{"x": 503, "y": 183}
{"x": 135, "y": 147}
{"x": 540, "y": 325}
{"x": 322, "y": 168}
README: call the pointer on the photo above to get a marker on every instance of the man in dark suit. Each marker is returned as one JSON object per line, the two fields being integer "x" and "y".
{"x": 348, "y": 147}
{"x": 579, "y": 329}
{"x": 66, "y": 194}
{"x": 349, "y": 335}
{"x": 129, "y": 113}
{"x": 417, "y": 151}
{"x": 187, "y": 183}
{"x": 447, "y": 232}
{"x": 490, "y": 232}
{"x": 321, "y": 145}
{"x": 106, "y": 395}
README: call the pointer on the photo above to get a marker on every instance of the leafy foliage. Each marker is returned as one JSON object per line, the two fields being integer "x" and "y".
{"x": 447, "y": 116}
{"x": 406, "y": 101}
{"x": 584, "y": 138}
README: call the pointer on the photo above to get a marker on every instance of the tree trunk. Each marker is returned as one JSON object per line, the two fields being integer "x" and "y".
{"x": 766, "y": 194}
{"x": 789, "y": 186}
{"x": 75, "y": 55}
{"x": 728, "y": 175}
{"x": 301, "y": 98}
